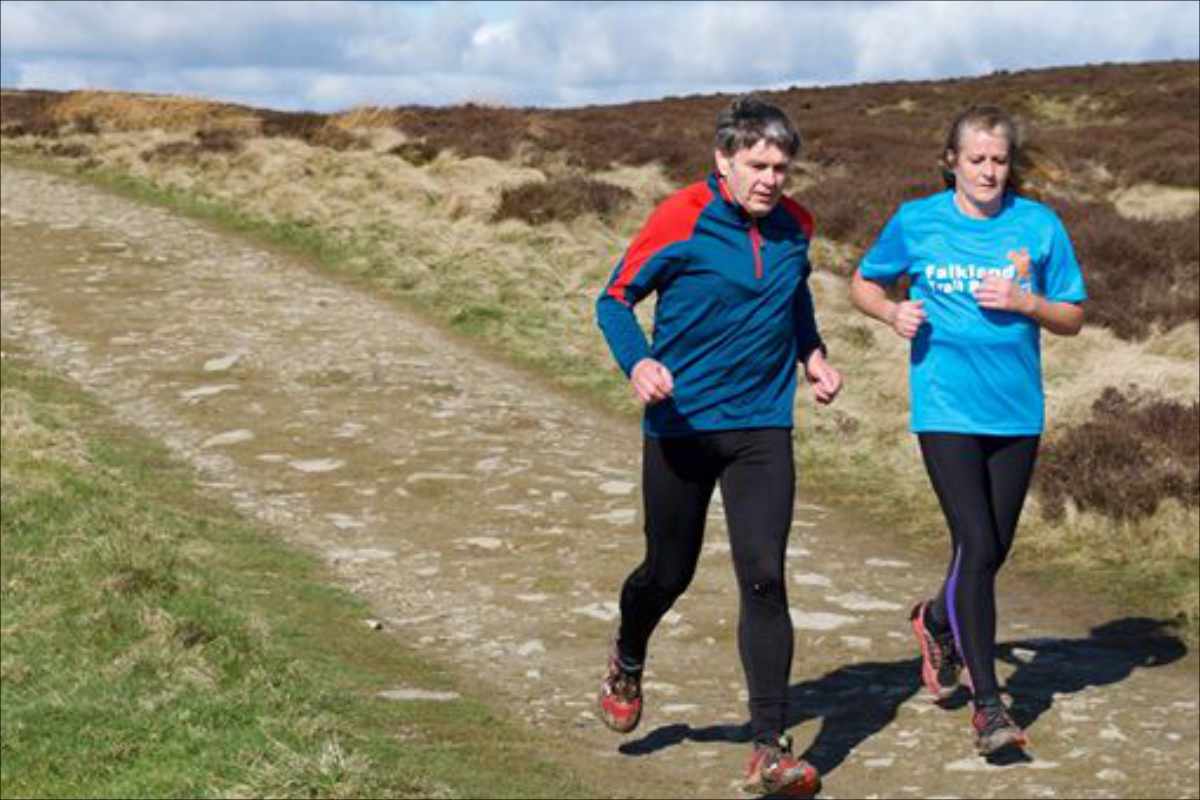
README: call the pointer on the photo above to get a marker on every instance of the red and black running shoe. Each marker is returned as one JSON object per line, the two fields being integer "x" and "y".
{"x": 941, "y": 665}
{"x": 995, "y": 729}
{"x": 620, "y": 696}
{"x": 773, "y": 769}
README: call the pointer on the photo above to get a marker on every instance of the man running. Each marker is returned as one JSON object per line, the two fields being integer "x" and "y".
{"x": 734, "y": 318}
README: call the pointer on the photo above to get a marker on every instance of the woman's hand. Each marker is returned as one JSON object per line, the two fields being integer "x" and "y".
{"x": 1002, "y": 294}
{"x": 906, "y": 317}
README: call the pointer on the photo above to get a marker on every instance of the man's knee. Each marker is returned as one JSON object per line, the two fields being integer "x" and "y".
{"x": 765, "y": 587}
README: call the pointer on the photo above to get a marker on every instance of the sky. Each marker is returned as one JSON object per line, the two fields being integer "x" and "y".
{"x": 332, "y": 56}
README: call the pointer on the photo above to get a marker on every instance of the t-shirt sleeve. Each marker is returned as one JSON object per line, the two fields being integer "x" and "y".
{"x": 1062, "y": 279}
{"x": 888, "y": 258}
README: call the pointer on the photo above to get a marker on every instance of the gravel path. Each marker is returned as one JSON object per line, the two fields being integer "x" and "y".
{"x": 490, "y": 522}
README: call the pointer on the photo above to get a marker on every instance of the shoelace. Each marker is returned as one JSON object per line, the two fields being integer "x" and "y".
{"x": 946, "y": 649}
{"x": 776, "y": 751}
{"x": 626, "y": 686}
{"x": 994, "y": 718}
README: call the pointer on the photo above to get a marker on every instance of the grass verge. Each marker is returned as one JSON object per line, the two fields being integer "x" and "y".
{"x": 155, "y": 644}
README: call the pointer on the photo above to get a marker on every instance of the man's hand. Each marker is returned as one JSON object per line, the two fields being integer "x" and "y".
{"x": 651, "y": 381}
{"x": 906, "y": 317}
{"x": 826, "y": 381}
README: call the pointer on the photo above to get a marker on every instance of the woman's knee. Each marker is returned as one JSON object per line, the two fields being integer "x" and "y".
{"x": 982, "y": 557}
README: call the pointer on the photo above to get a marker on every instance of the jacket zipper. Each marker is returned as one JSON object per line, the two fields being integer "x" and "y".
{"x": 755, "y": 245}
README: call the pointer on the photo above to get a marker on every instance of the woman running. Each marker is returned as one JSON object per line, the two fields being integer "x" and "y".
{"x": 988, "y": 270}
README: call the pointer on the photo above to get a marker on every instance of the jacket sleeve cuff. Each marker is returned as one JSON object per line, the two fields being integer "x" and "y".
{"x": 809, "y": 348}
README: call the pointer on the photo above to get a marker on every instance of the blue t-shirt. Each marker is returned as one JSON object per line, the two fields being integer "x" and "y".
{"x": 974, "y": 370}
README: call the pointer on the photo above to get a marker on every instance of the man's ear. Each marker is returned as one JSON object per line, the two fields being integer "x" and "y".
{"x": 723, "y": 163}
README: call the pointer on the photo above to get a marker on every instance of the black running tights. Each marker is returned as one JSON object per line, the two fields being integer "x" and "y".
{"x": 757, "y": 478}
{"x": 981, "y": 482}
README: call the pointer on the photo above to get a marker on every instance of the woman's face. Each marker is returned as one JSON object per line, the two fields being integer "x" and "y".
{"x": 980, "y": 170}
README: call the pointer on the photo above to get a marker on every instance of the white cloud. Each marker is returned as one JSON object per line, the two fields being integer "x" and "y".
{"x": 327, "y": 55}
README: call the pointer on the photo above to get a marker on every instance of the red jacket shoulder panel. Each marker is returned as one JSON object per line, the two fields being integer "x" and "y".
{"x": 799, "y": 213}
{"x": 672, "y": 221}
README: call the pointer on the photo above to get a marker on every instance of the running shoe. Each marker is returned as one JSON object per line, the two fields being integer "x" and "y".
{"x": 995, "y": 729}
{"x": 941, "y": 665}
{"x": 773, "y": 769}
{"x": 620, "y": 696}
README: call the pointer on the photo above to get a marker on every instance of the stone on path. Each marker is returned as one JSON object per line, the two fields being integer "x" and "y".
{"x": 206, "y": 391}
{"x": 819, "y": 620}
{"x": 416, "y": 694}
{"x": 360, "y": 555}
{"x": 606, "y": 611}
{"x": 221, "y": 364}
{"x": 228, "y": 437}
{"x": 317, "y": 464}
{"x": 618, "y": 516}
{"x": 857, "y": 601}
{"x": 885, "y": 562}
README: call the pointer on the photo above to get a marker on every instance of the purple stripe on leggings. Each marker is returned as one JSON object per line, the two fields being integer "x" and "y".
{"x": 951, "y": 591}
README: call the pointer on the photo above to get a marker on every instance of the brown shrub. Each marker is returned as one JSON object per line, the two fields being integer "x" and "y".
{"x": 1136, "y": 451}
{"x": 854, "y": 211}
{"x": 562, "y": 199}
{"x": 218, "y": 140}
{"x": 335, "y": 138}
{"x": 214, "y": 140}
{"x": 167, "y": 151}
{"x": 1137, "y": 273}
{"x": 468, "y": 130}
{"x": 23, "y": 105}
{"x": 318, "y": 130}
{"x": 87, "y": 124}
{"x": 73, "y": 150}
{"x": 416, "y": 153}
{"x": 39, "y": 127}
{"x": 290, "y": 124}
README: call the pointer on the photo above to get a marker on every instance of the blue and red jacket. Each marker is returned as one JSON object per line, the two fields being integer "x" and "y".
{"x": 734, "y": 314}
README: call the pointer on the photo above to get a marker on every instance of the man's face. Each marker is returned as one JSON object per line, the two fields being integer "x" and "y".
{"x": 755, "y": 176}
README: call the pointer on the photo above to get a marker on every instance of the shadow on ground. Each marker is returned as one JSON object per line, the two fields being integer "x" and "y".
{"x": 1112, "y": 651}
{"x": 856, "y": 701}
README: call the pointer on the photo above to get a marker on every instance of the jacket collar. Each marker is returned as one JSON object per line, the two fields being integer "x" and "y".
{"x": 728, "y": 205}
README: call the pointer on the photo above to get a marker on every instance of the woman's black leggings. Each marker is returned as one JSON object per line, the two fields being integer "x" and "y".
{"x": 757, "y": 478}
{"x": 981, "y": 482}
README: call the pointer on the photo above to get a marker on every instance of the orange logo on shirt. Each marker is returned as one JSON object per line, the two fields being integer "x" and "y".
{"x": 1020, "y": 260}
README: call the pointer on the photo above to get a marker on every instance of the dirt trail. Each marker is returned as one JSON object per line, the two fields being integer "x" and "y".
{"x": 490, "y": 524}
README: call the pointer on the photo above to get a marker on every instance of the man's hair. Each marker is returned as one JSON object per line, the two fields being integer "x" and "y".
{"x": 984, "y": 118}
{"x": 749, "y": 120}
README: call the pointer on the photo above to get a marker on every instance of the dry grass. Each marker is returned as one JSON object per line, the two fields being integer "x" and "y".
{"x": 1148, "y": 201}
{"x": 1071, "y": 112}
{"x": 122, "y": 111}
